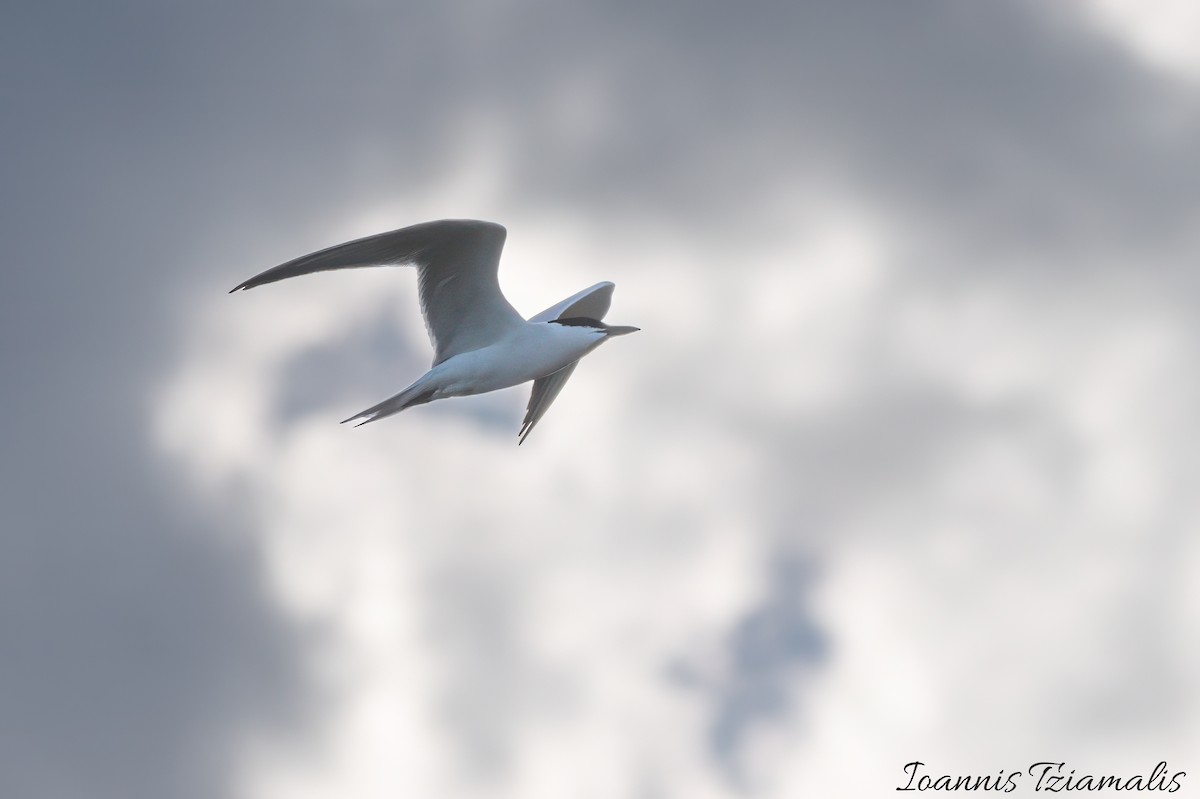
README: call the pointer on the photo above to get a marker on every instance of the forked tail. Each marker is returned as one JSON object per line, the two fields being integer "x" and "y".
{"x": 418, "y": 393}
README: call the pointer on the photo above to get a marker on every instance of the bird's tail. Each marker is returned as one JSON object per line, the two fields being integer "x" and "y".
{"x": 418, "y": 393}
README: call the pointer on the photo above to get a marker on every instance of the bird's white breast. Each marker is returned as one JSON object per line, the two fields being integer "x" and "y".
{"x": 530, "y": 351}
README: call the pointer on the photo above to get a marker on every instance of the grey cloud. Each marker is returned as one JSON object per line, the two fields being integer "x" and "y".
{"x": 768, "y": 652}
{"x": 337, "y": 372}
{"x": 1000, "y": 124}
{"x": 154, "y": 150}
{"x": 134, "y": 639}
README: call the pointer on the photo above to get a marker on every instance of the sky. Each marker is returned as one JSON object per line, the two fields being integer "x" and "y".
{"x": 901, "y": 466}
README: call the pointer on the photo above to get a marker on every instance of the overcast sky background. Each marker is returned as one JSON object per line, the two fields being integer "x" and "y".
{"x": 902, "y": 466}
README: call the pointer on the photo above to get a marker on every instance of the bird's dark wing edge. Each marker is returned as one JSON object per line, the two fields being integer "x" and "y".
{"x": 415, "y": 244}
{"x": 545, "y": 390}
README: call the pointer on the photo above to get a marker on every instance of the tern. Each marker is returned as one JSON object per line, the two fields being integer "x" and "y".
{"x": 480, "y": 342}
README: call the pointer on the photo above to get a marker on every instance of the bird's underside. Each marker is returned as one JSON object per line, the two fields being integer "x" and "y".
{"x": 464, "y": 310}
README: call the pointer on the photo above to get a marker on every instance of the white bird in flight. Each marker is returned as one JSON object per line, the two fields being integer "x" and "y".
{"x": 480, "y": 342}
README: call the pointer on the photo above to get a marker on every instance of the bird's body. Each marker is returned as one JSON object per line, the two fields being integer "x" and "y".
{"x": 530, "y": 351}
{"x": 480, "y": 342}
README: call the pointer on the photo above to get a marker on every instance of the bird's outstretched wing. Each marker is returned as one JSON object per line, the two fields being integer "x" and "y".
{"x": 545, "y": 389}
{"x": 456, "y": 260}
{"x": 592, "y": 303}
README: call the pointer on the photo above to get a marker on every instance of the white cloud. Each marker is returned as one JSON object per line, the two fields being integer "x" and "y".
{"x": 985, "y": 463}
{"x": 1164, "y": 33}
{"x": 504, "y": 622}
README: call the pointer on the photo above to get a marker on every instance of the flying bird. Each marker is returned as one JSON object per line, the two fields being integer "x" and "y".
{"x": 480, "y": 342}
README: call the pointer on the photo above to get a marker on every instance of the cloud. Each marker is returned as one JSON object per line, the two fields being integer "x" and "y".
{"x": 1163, "y": 33}
{"x": 897, "y": 468}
